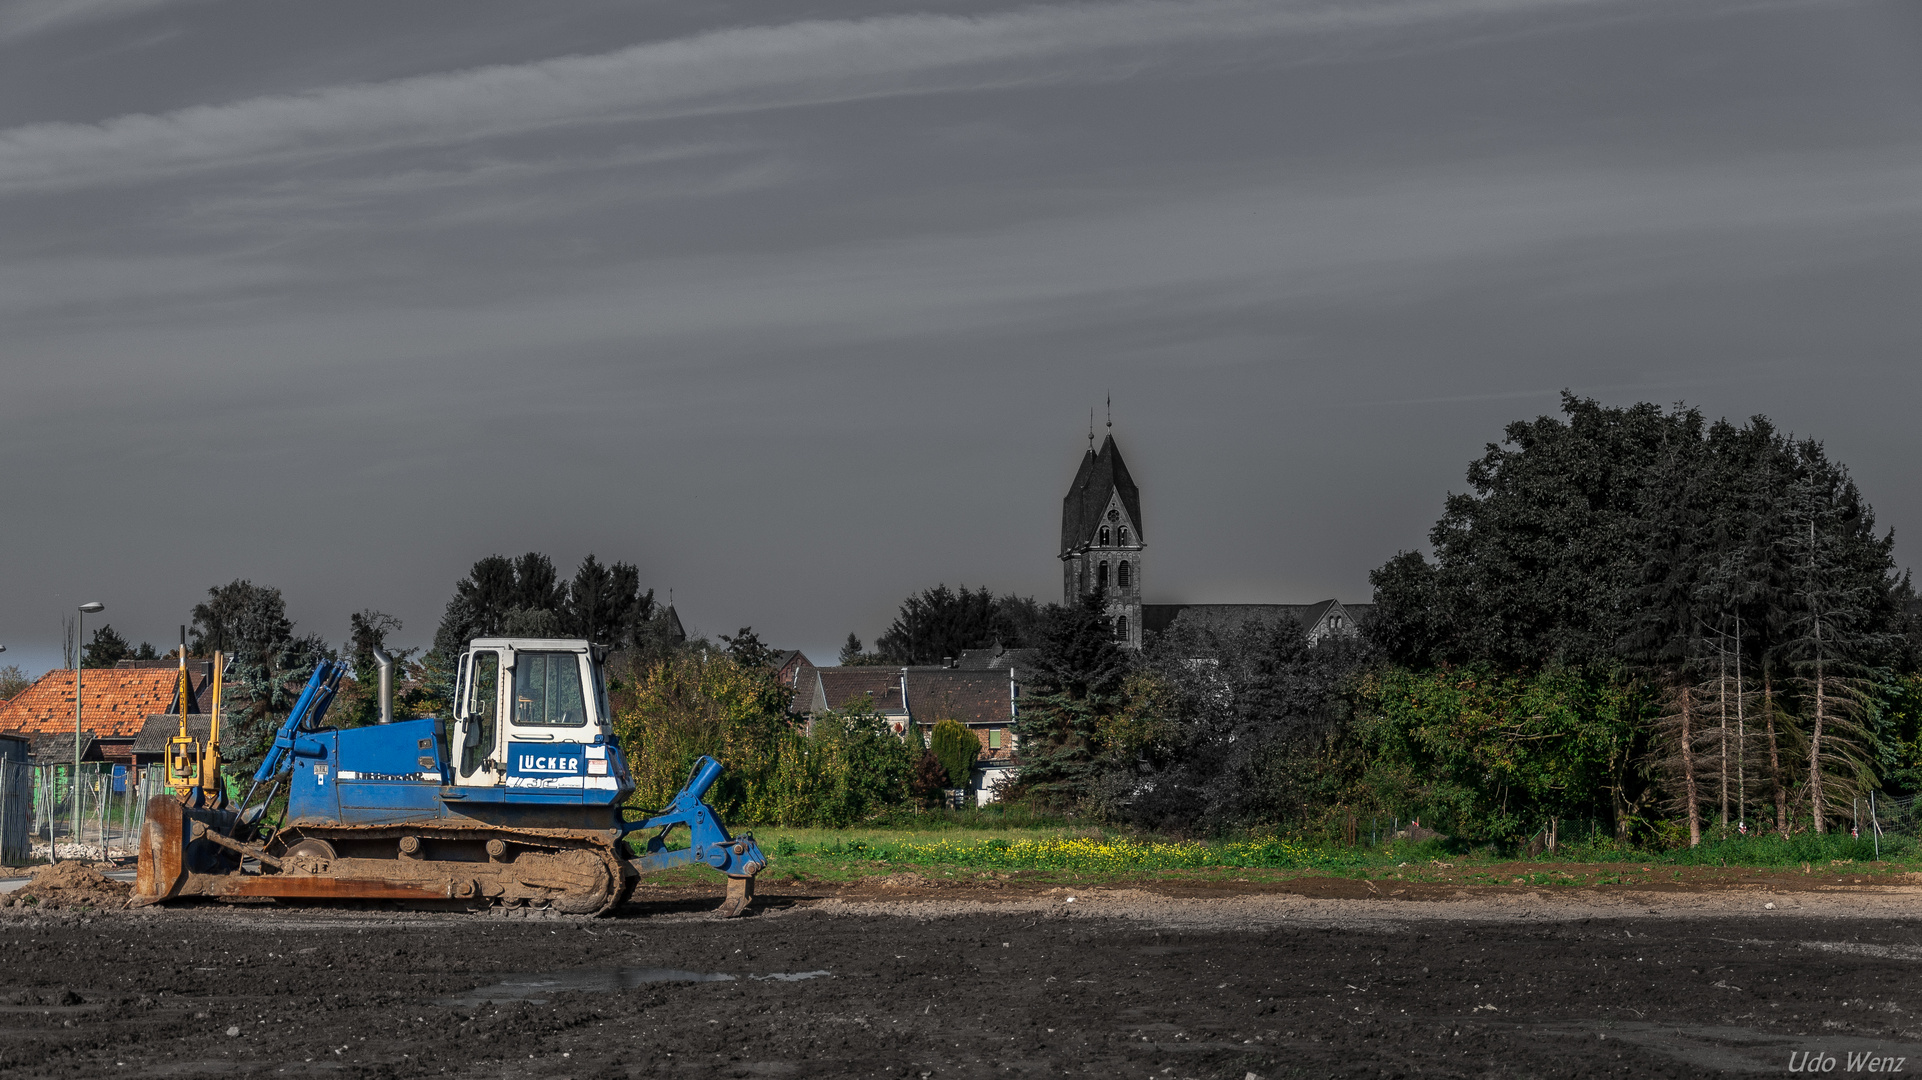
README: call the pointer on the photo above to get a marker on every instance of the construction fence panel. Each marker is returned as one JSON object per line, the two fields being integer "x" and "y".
{"x": 1883, "y": 819}
{"x": 45, "y": 815}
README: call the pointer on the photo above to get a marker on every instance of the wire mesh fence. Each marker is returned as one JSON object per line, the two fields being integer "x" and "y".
{"x": 1882, "y": 819}
{"x": 46, "y": 816}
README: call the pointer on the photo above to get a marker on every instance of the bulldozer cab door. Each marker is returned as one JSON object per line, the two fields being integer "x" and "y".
{"x": 479, "y": 733}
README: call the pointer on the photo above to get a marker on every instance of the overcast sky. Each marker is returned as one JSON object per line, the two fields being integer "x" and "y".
{"x": 801, "y": 306}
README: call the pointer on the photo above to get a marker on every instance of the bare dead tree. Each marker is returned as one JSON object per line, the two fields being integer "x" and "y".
{"x": 1723, "y": 710}
{"x": 1679, "y": 732}
{"x": 1728, "y": 694}
{"x": 1741, "y": 729}
{"x": 1770, "y": 714}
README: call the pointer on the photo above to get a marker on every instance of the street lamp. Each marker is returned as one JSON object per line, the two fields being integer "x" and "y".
{"x": 79, "y": 638}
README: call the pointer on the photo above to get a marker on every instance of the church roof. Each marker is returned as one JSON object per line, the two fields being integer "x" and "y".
{"x": 1101, "y": 474}
{"x": 1222, "y": 618}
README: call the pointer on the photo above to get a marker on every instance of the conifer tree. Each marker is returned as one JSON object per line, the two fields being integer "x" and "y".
{"x": 1840, "y": 613}
{"x": 1077, "y": 683}
{"x": 851, "y": 650}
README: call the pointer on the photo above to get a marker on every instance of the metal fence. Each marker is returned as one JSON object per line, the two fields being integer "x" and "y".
{"x": 45, "y": 816}
{"x": 1882, "y": 819}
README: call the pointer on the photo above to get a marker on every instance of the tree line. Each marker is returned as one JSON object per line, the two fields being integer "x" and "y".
{"x": 1683, "y": 629}
{"x": 1632, "y": 616}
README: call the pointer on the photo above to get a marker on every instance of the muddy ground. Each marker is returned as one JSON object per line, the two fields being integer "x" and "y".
{"x": 903, "y": 978}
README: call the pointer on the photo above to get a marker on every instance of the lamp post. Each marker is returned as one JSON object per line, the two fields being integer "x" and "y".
{"x": 79, "y": 639}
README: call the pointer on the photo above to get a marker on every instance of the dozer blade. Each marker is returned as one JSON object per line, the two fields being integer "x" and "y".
{"x": 170, "y": 857}
{"x": 162, "y": 863}
{"x": 740, "y": 893}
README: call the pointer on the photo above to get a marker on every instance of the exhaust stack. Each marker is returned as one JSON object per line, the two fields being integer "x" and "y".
{"x": 386, "y": 663}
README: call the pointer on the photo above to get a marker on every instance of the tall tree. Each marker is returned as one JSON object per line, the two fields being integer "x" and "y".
{"x": 1017, "y": 622}
{"x": 938, "y": 623}
{"x": 13, "y": 679}
{"x": 525, "y": 597}
{"x": 748, "y": 650}
{"x": 1537, "y": 562}
{"x": 605, "y": 603}
{"x": 537, "y": 585}
{"x": 1239, "y": 711}
{"x": 1077, "y": 682}
{"x": 108, "y": 648}
{"x": 267, "y": 667}
{"x": 359, "y": 702}
{"x": 1840, "y": 622}
{"x": 851, "y": 650}
{"x": 1674, "y": 519}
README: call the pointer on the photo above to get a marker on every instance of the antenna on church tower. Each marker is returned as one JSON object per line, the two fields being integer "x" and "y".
{"x": 1091, "y": 429}
{"x": 1111, "y": 410}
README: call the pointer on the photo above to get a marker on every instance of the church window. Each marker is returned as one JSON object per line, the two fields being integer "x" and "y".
{"x": 1104, "y": 536}
{"x": 1121, "y": 628}
{"x": 1101, "y": 575}
{"x": 1121, "y": 575}
{"x": 1124, "y": 535}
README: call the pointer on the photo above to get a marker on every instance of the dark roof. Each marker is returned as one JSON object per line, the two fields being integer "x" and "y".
{"x": 1157, "y": 618}
{"x": 158, "y": 729}
{"x": 972, "y": 697}
{"x": 785, "y": 661}
{"x": 840, "y": 685}
{"x": 52, "y": 748}
{"x": 995, "y": 659}
{"x": 1101, "y": 475}
{"x": 802, "y": 677}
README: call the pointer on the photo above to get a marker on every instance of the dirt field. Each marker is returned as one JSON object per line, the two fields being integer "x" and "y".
{"x": 1319, "y": 977}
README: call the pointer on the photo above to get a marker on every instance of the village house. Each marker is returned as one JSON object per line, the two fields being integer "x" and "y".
{"x": 914, "y": 699}
{"x": 119, "y": 702}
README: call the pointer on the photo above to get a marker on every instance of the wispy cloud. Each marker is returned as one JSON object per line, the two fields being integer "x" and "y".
{"x": 728, "y": 70}
{"x": 25, "y": 18}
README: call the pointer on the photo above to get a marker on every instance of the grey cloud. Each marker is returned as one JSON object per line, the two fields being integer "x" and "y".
{"x": 748, "y": 68}
{"x": 1239, "y": 246}
{"x": 798, "y": 362}
{"x": 25, "y": 18}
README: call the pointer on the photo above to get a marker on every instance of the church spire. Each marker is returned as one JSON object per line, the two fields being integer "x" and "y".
{"x": 1101, "y": 541}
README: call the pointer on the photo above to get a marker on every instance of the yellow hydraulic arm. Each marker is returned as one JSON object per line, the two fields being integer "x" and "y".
{"x": 193, "y": 767}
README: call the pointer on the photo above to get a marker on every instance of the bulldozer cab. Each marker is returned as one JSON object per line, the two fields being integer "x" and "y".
{"x": 529, "y": 713}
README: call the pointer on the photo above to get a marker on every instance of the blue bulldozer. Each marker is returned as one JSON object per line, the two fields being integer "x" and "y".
{"x": 515, "y": 802}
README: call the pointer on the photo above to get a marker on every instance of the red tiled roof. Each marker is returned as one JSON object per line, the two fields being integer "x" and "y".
{"x": 119, "y": 700}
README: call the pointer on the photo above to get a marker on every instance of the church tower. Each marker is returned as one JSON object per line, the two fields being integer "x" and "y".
{"x": 1101, "y": 539}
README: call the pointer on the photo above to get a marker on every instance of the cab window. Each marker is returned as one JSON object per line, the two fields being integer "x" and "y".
{"x": 547, "y": 690}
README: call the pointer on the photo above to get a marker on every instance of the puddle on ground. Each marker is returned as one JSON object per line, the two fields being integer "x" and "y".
{"x": 539, "y": 989}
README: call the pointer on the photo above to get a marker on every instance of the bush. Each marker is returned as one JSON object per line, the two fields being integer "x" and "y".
{"x": 848, "y": 765}
{"x": 929, "y": 780}
{"x": 955, "y": 747}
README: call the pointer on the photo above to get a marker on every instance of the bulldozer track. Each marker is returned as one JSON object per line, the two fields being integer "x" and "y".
{"x": 570, "y": 872}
